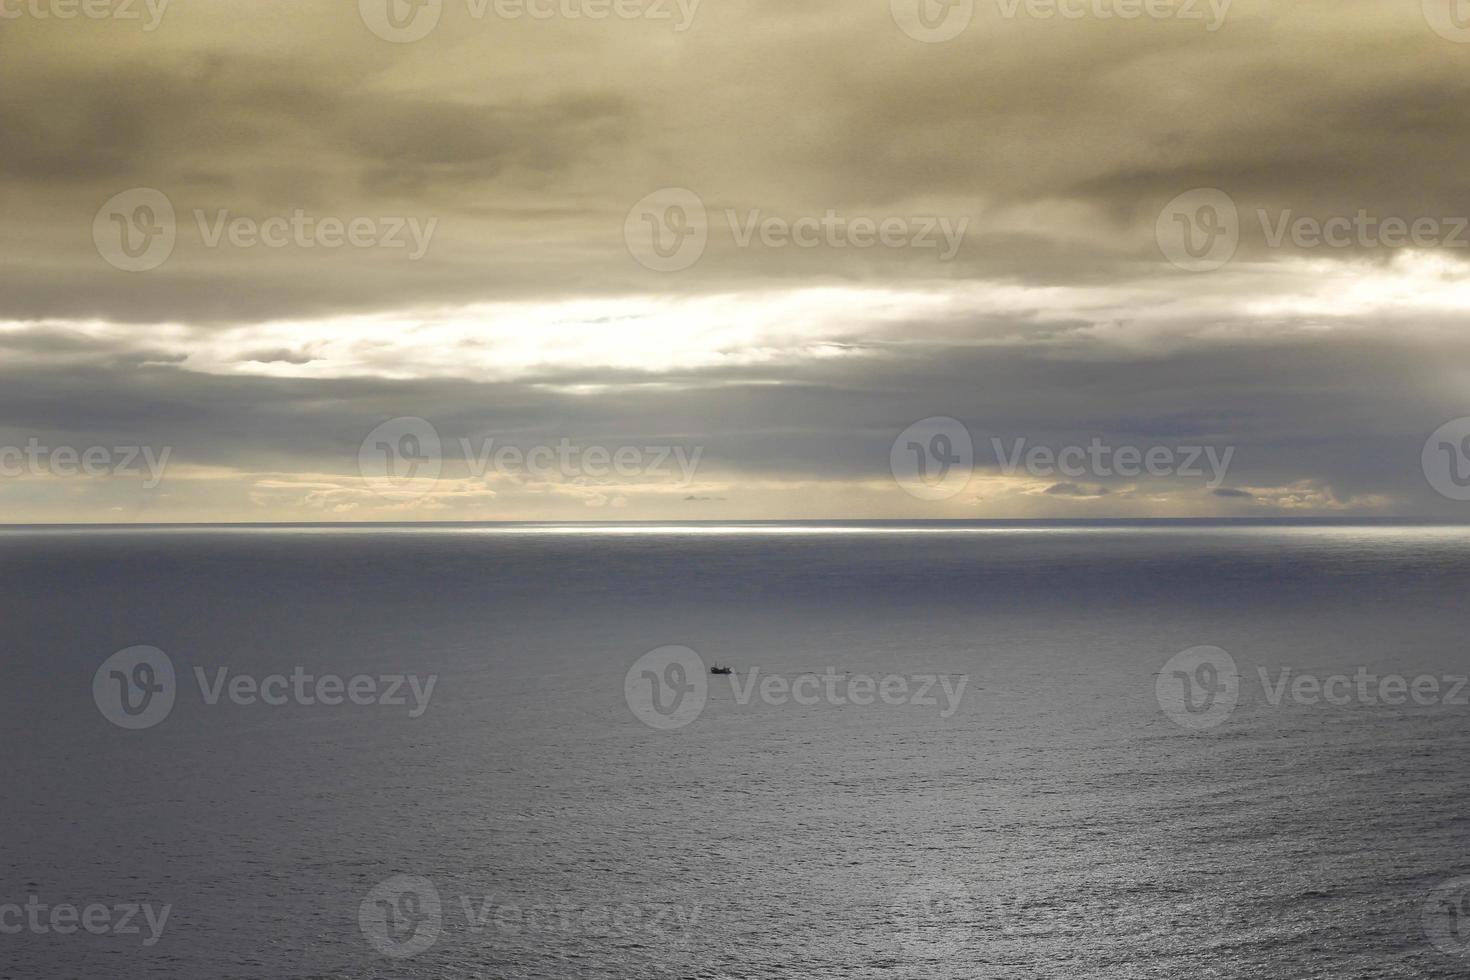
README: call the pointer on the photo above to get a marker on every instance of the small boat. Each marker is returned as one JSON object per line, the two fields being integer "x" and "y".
{"x": 722, "y": 671}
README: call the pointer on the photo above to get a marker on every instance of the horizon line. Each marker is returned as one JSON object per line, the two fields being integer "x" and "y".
{"x": 1337, "y": 521}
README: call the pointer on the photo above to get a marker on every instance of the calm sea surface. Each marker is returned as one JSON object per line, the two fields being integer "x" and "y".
{"x": 554, "y": 807}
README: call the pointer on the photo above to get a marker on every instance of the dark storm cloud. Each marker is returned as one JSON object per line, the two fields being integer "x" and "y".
{"x": 527, "y": 144}
{"x": 425, "y": 145}
{"x": 258, "y": 137}
{"x": 1059, "y": 140}
{"x": 202, "y": 119}
{"x": 279, "y": 357}
{"x": 1351, "y": 419}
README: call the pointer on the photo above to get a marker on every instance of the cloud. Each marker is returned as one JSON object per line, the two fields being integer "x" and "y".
{"x": 1076, "y": 490}
{"x": 529, "y": 319}
{"x": 278, "y": 356}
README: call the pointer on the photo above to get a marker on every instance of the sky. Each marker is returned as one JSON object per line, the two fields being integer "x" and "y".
{"x": 732, "y": 259}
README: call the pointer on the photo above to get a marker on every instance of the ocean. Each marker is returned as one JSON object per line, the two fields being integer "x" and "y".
{"x": 946, "y": 751}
